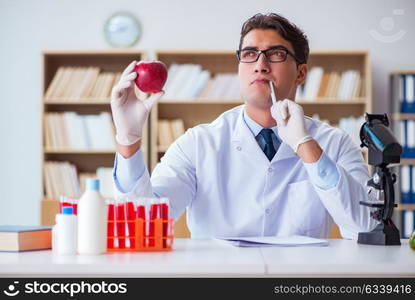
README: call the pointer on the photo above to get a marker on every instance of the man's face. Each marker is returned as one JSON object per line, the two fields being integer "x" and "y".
{"x": 254, "y": 77}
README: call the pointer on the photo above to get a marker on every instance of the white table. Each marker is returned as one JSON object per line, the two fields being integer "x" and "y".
{"x": 212, "y": 258}
{"x": 342, "y": 258}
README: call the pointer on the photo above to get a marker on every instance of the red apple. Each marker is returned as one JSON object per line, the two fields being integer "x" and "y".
{"x": 151, "y": 76}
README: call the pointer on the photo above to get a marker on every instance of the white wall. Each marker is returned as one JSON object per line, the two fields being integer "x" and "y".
{"x": 28, "y": 26}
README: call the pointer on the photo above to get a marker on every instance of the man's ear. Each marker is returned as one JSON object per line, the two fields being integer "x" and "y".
{"x": 301, "y": 74}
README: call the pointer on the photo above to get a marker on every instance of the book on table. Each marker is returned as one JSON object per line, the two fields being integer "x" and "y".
{"x": 25, "y": 238}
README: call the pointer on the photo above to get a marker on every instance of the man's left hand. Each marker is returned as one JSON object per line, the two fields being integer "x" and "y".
{"x": 290, "y": 121}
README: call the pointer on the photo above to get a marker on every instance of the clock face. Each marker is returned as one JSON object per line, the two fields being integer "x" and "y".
{"x": 122, "y": 30}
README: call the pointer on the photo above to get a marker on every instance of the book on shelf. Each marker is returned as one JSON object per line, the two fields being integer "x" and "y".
{"x": 406, "y": 93}
{"x": 312, "y": 83}
{"x": 164, "y": 133}
{"x": 177, "y": 80}
{"x": 62, "y": 179}
{"x": 168, "y": 131}
{"x": 407, "y": 183}
{"x": 406, "y": 133}
{"x": 350, "y": 125}
{"x": 200, "y": 83}
{"x": 225, "y": 86}
{"x": 322, "y": 90}
{"x": 191, "y": 82}
{"x": 206, "y": 88}
{"x": 15, "y": 238}
{"x": 332, "y": 85}
{"x": 170, "y": 75}
{"x": 408, "y": 223}
{"x": 71, "y": 131}
{"x": 184, "y": 90}
{"x": 177, "y": 128}
{"x": 81, "y": 84}
{"x": 321, "y": 84}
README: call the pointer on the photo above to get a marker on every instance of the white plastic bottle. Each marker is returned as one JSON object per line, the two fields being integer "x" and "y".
{"x": 64, "y": 232}
{"x": 92, "y": 220}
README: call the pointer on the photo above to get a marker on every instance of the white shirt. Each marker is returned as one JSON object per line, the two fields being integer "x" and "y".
{"x": 220, "y": 173}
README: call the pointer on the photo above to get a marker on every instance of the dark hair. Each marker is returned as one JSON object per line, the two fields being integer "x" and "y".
{"x": 285, "y": 28}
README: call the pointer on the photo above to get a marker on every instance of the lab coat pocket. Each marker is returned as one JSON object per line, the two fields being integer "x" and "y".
{"x": 307, "y": 213}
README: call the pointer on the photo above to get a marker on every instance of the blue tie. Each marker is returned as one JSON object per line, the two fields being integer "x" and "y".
{"x": 269, "y": 149}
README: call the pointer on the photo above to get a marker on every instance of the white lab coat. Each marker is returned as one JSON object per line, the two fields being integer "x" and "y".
{"x": 229, "y": 187}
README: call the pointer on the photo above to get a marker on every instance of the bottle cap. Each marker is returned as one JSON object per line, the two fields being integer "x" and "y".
{"x": 67, "y": 210}
{"x": 92, "y": 184}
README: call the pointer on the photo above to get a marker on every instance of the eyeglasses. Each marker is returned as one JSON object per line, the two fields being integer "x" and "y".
{"x": 274, "y": 55}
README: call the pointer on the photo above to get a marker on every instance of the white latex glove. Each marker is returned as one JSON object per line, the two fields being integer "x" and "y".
{"x": 290, "y": 121}
{"x": 129, "y": 112}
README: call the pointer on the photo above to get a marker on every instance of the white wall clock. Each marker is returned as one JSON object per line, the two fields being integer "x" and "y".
{"x": 122, "y": 29}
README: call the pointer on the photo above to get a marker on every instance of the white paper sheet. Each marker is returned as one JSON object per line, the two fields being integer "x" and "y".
{"x": 273, "y": 241}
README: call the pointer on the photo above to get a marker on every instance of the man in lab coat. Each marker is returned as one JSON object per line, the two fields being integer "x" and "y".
{"x": 260, "y": 169}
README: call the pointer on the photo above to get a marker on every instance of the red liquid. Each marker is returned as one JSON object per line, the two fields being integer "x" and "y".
{"x": 111, "y": 225}
{"x": 154, "y": 214}
{"x": 141, "y": 212}
{"x": 131, "y": 224}
{"x": 121, "y": 220}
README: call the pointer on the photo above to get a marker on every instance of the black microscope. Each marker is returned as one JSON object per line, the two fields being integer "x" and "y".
{"x": 384, "y": 149}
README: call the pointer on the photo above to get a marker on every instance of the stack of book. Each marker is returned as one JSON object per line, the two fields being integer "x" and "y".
{"x": 168, "y": 131}
{"x": 70, "y": 131}
{"x": 191, "y": 82}
{"x": 81, "y": 84}
{"x": 319, "y": 85}
{"x": 61, "y": 179}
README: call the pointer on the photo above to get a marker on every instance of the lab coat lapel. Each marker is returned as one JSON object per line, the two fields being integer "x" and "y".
{"x": 244, "y": 141}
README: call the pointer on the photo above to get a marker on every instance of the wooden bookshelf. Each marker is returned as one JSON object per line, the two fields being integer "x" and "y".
{"x": 408, "y": 161}
{"x": 194, "y": 112}
{"x": 399, "y": 116}
{"x": 86, "y": 161}
{"x": 406, "y": 207}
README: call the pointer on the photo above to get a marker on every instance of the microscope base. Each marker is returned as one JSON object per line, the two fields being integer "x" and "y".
{"x": 383, "y": 234}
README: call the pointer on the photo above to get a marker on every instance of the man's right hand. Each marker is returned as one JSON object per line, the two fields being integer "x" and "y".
{"x": 128, "y": 111}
